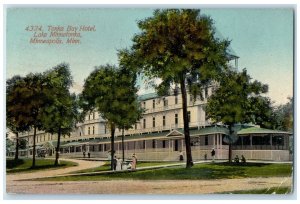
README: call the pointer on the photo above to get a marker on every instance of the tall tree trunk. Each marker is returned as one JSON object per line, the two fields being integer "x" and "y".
{"x": 17, "y": 146}
{"x": 230, "y": 153}
{"x": 112, "y": 128}
{"x": 189, "y": 160}
{"x": 230, "y": 145}
{"x": 57, "y": 147}
{"x": 33, "y": 151}
{"x": 123, "y": 153}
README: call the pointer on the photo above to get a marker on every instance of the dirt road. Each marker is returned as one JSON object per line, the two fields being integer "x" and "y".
{"x": 145, "y": 187}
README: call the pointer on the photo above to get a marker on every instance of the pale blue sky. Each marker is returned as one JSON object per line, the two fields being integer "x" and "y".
{"x": 263, "y": 38}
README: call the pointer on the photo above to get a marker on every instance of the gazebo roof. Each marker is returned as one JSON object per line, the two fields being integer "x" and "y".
{"x": 258, "y": 130}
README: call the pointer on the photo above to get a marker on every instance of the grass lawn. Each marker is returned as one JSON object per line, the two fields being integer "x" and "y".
{"x": 24, "y": 165}
{"x": 273, "y": 190}
{"x": 199, "y": 171}
{"x": 106, "y": 166}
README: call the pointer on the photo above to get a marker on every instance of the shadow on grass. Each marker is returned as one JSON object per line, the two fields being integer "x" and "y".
{"x": 10, "y": 164}
{"x": 241, "y": 164}
{"x": 197, "y": 172}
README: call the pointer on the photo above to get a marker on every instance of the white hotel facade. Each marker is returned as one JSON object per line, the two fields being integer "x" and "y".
{"x": 158, "y": 136}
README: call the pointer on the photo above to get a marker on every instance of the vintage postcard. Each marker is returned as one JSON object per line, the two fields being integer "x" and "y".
{"x": 123, "y": 101}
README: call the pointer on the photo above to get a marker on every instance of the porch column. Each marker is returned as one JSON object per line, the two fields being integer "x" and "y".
{"x": 169, "y": 144}
{"x": 218, "y": 148}
{"x": 221, "y": 145}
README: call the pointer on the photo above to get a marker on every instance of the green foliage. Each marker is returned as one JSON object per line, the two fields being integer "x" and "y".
{"x": 62, "y": 111}
{"x": 25, "y": 99}
{"x": 283, "y": 116}
{"x": 112, "y": 92}
{"x": 198, "y": 172}
{"x": 9, "y": 145}
{"x": 179, "y": 47}
{"x": 179, "y": 42}
{"x": 238, "y": 100}
{"x": 24, "y": 165}
{"x": 23, "y": 143}
{"x": 26, "y": 96}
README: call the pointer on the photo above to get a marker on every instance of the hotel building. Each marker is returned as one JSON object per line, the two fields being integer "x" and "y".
{"x": 158, "y": 135}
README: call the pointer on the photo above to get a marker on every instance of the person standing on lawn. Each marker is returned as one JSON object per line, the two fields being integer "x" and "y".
{"x": 134, "y": 162}
{"x": 213, "y": 153}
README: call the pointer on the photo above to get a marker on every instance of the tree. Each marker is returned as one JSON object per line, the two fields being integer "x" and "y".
{"x": 105, "y": 91}
{"x": 283, "y": 116}
{"x": 179, "y": 47}
{"x": 9, "y": 144}
{"x": 25, "y": 101}
{"x": 130, "y": 111}
{"x": 14, "y": 120}
{"x": 237, "y": 100}
{"x": 61, "y": 115}
{"x": 23, "y": 143}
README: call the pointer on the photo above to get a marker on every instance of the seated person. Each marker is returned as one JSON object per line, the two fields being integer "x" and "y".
{"x": 243, "y": 159}
{"x": 237, "y": 159}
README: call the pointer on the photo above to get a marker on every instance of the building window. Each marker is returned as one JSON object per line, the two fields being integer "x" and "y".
{"x": 144, "y": 123}
{"x": 44, "y": 137}
{"x": 164, "y": 143}
{"x": 144, "y": 104}
{"x": 153, "y": 122}
{"x": 153, "y": 144}
{"x": 144, "y": 144}
{"x": 206, "y": 140}
{"x": 164, "y": 120}
{"x": 89, "y": 130}
{"x": 105, "y": 147}
{"x": 176, "y": 118}
{"x": 153, "y": 104}
{"x": 79, "y": 133}
{"x": 104, "y": 129}
{"x": 165, "y": 102}
{"x": 135, "y": 126}
{"x": 89, "y": 117}
{"x": 176, "y": 100}
{"x": 189, "y": 116}
{"x": 93, "y": 130}
{"x": 94, "y": 115}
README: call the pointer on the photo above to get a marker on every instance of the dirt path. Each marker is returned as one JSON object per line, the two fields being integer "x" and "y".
{"x": 146, "y": 187}
{"x": 82, "y": 164}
